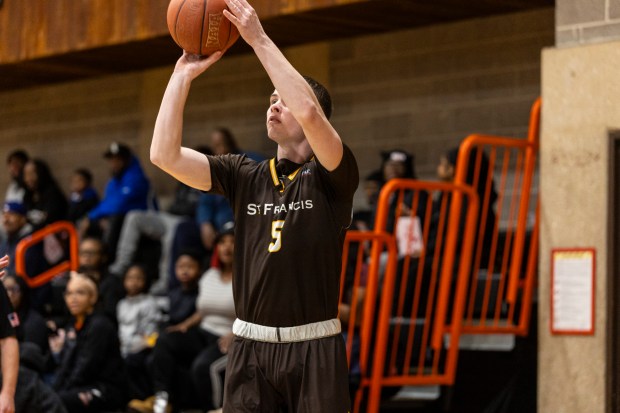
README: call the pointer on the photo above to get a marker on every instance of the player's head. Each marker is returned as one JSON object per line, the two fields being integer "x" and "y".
{"x": 281, "y": 125}
{"x": 188, "y": 267}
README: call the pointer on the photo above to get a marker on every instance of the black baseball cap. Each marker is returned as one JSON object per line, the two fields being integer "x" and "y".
{"x": 117, "y": 149}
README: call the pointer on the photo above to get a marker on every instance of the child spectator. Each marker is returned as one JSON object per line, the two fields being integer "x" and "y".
{"x": 138, "y": 316}
{"x": 183, "y": 296}
{"x": 89, "y": 375}
{"x": 200, "y": 343}
{"x": 83, "y": 196}
{"x": 31, "y": 324}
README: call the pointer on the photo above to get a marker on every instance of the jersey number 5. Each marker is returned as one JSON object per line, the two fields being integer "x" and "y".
{"x": 276, "y": 234}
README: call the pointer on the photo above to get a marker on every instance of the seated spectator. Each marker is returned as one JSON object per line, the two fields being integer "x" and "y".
{"x": 44, "y": 201}
{"x": 212, "y": 213}
{"x": 183, "y": 295}
{"x": 364, "y": 219}
{"x": 222, "y": 141}
{"x": 127, "y": 190}
{"x": 92, "y": 260}
{"x": 138, "y": 317}
{"x": 32, "y": 327}
{"x": 83, "y": 196}
{"x": 32, "y": 394}
{"x": 446, "y": 170}
{"x": 156, "y": 225}
{"x": 398, "y": 164}
{"x": 200, "y": 343}
{"x": 89, "y": 376}
{"x": 17, "y": 228}
{"x": 15, "y": 164}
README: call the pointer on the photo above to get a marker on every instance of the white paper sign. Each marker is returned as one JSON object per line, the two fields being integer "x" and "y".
{"x": 572, "y": 292}
{"x": 409, "y": 236}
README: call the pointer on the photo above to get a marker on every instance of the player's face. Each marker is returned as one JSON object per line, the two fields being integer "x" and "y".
{"x": 281, "y": 124}
{"x": 134, "y": 281}
{"x": 79, "y": 297}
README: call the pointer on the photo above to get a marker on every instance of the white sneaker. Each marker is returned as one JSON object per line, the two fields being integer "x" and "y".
{"x": 161, "y": 403}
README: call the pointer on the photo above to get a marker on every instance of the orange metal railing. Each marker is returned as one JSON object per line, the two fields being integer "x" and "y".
{"x": 68, "y": 264}
{"x": 503, "y": 274}
{"x": 410, "y": 303}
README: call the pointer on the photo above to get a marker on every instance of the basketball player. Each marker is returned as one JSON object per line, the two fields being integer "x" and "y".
{"x": 291, "y": 214}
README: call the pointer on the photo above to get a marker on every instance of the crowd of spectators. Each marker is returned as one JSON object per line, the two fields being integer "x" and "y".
{"x": 146, "y": 321}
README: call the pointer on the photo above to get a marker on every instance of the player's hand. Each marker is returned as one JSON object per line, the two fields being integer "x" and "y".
{"x": 4, "y": 262}
{"x": 244, "y": 17}
{"x": 7, "y": 404}
{"x": 193, "y": 65}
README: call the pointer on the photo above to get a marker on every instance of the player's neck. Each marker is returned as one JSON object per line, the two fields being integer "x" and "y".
{"x": 298, "y": 152}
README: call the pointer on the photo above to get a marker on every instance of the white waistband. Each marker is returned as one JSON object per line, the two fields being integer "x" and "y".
{"x": 286, "y": 334}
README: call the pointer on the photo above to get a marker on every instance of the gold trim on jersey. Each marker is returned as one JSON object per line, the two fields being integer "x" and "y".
{"x": 274, "y": 174}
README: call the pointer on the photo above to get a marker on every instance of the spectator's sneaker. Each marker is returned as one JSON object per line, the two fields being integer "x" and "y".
{"x": 160, "y": 405}
{"x": 141, "y": 406}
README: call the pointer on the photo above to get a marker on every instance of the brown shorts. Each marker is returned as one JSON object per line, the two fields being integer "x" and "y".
{"x": 303, "y": 377}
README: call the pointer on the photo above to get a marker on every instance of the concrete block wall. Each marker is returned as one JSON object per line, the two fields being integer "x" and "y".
{"x": 422, "y": 90}
{"x": 587, "y": 21}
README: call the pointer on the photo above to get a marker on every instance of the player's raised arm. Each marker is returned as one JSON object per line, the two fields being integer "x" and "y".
{"x": 186, "y": 165}
{"x": 292, "y": 88}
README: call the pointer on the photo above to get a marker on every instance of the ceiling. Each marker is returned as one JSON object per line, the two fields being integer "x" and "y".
{"x": 361, "y": 18}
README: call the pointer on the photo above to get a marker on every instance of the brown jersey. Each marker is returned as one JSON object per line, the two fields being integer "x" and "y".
{"x": 288, "y": 236}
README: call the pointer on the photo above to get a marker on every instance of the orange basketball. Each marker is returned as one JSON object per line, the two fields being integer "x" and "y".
{"x": 199, "y": 26}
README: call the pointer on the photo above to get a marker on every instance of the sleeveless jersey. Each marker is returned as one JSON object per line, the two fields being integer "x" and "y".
{"x": 288, "y": 236}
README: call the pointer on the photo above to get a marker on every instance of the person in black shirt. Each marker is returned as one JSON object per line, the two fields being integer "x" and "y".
{"x": 9, "y": 348}
{"x": 291, "y": 214}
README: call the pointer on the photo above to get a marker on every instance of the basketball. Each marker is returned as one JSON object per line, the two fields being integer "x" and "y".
{"x": 199, "y": 26}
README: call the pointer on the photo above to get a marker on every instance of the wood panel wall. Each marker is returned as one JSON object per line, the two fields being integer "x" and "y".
{"x": 39, "y": 28}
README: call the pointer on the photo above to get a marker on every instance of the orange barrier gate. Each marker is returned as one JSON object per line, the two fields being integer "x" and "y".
{"x": 69, "y": 264}
{"x": 411, "y": 302}
{"x": 503, "y": 273}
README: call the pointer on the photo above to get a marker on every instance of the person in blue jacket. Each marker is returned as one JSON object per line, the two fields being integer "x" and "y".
{"x": 127, "y": 190}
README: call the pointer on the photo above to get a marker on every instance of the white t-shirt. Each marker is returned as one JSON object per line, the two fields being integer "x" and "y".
{"x": 215, "y": 300}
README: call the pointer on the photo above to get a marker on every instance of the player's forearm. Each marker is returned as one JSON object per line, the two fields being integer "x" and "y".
{"x": 9, "y": 358}
{"x": 299, "y": 97}
{"x": 167, "y": 136}
{"x": 291, "y": 86}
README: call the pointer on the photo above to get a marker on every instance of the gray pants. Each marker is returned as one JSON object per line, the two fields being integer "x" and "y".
{"x": 156, "y": 225}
